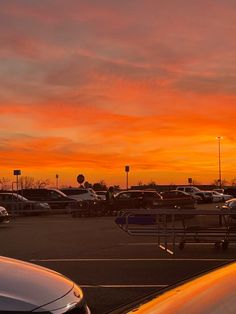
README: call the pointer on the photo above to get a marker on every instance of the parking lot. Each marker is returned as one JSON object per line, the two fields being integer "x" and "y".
{"x": 112, "y": 267}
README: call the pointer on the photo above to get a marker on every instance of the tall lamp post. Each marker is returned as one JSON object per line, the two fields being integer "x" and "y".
{"x": 127, "y": 177}
{"x": 219, "y": 159}
{"x": 57, "y": 181}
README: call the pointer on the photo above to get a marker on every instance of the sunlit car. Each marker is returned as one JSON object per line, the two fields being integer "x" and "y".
{"x": 4, "y": 216}
{"x": 212, "y": 293}
{"x": 221, "y": 196}
{"x": 206, "y": 196}
{"x": 216, "y": 197}
{"x": 30, "y": 288}
{"x": 230, "y": 205}
{"x": 16, "y": 203}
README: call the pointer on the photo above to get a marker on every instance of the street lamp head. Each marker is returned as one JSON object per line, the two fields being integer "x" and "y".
{"x": 219, "y": 137}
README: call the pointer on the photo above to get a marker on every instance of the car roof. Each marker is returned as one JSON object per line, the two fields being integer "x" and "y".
{"x": 10, "y": 193}
{"x": 70, "y": 189}
{"x": 139, "y": 191}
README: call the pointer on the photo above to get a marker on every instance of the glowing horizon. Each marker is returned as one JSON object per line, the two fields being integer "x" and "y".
{"x": 91, "y": 86}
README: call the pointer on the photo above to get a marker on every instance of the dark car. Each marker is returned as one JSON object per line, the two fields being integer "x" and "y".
{"x": 17, "y": 204}
{"x": 123, "y": 200}
{"x": 148, "y": 199}
{"x": 181, "y": 198}
{"x": 57, "y": 200}
{"x": 27, "y": 288}
{"x": 136, "y": 199}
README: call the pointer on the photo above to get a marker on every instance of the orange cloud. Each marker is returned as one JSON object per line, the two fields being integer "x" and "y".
{"x": 93, "y": 86}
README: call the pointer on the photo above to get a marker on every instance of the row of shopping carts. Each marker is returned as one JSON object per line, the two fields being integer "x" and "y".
{"x": 174, "y": 228}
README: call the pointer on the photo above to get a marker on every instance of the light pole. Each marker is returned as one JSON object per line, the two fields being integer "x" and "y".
{"x": 17, "y": 173}
{"x": 57, "y": 181}
{"x": 219, "y": 158}
{"x": 127, "y": 177}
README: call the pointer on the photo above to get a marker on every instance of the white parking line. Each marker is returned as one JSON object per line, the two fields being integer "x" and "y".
{"x": 123, "y": 286}
{"x": 130, "y": 259}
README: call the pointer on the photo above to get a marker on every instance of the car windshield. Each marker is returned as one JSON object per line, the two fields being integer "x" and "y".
{"x": 134, "y": 99}
{"x": 21, "y": 198}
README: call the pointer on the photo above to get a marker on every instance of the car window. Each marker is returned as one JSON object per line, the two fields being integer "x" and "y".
{"x": 152, "y": 195}
{"x": 136, "y": 194}
{"x": 124, "y": 196}
{"x": 189, "y": 190}
{"x": 55, "y": 195}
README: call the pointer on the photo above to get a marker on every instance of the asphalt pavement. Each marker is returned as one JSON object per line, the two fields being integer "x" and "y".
{"x": 112, "y": 267}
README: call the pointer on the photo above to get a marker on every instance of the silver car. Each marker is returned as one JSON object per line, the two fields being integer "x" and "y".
{"x": 27, "y": 287}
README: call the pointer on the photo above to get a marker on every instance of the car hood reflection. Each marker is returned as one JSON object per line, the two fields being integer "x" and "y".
{"x": 25, "y": 286}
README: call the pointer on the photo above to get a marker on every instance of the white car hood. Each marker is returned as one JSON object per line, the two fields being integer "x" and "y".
{"x": 25, "y": 286}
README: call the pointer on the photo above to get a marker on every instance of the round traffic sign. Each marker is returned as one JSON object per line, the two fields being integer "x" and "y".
{"x": 80, "y": 178}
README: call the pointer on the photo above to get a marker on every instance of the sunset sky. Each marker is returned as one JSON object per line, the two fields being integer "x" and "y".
{"x": 91, "y": 86}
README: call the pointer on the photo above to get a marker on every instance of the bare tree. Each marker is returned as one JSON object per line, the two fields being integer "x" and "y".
{"x": 26, "y": 182}
{"x": 5, "y": 183}
{"x": 223, "y": 182}
{"x": 41, "y": 183}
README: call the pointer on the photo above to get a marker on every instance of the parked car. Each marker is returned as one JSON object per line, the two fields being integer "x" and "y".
{"x": 212, "y": 292}
{"x": 136, "y": 199}
{"x": 18, "y": 204}
{"x": 27, "y": 288}
{"x": 57, "y": 200}
{"x": 216, "y": 197}
{"x": 230, "y": 205}
{"x": 231, "y": 202}
{"x": 4, "y": 216}
{"x": 148, "y": 199}
{"x": 80, "y": 194}
{"x": 122, "y": 200}
{"x": 176, "y": 194}
{"x": 221, "y": 196}
{"x": 205, "y": 195}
